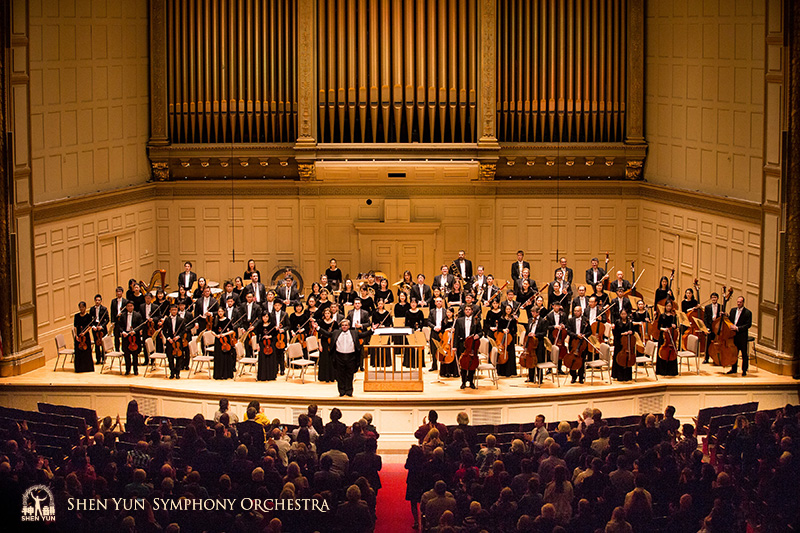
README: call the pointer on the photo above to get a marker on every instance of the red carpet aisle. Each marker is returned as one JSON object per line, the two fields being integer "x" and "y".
{"x": 394, "y": 512}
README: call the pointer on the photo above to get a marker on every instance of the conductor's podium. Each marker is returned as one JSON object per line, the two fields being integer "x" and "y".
{"x": 394, "y": 360}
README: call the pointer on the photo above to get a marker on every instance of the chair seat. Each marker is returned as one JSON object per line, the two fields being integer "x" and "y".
{"x": 301, "y": 362}
{"x": 486, "y": 366}
{"x": 158, "y": 355}
{"x": 248, "y": 360}
{"x": 66, "y": 351}
{"x": 687, "y": 353}
{"x": 202, "y": 358}
{"x": 114, "y": 354}
{"x": 643, "y": 359}
{"x": 547, "y": 364}
{"x": 596, "y": 364}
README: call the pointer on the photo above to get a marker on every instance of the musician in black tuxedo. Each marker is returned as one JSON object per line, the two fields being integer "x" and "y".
{"x": 251, "y": 314}
{"x": 360, "y": 321}
{"x": 578, "y": 326}
{"x": 116, "y": 308}
{"x": 187, "y": 278}
{"x": 463, "y": 268}
{"x": 288, "y": 294}
{"x": 490, "y": 290}
{"x": 444, "y": 280}
{"x": 128, "y": 323}
{"x": 526, "y": 275}
{"x": 479, "y": 281}
{"x": 620, "y": 281}
{"x": 228, "y": 292}
{"x": 581, "y": 299}
{"x": 421, "y": 292}
{"x": 99, "y": 328}
{"x": 556, "y": 321}
{"x": 257, "y": 289}
{"x": 516, "y": 268}
{"x": 467, "y": 326}
{"x": 566, "y": 272}
{"x": 741, "y": 318}
{"x": 187, "y": 331}
{"x": 231, "y": 311}
{"x": 346, "y": 353}
{"x": 537, "y": 327}
{"x": 279, "y": 320}
{"x": 172, "y": 332}
{"x": 710, "y": 313}
{"x": 594, "y": 274}
{"x": 618, "y": 304}
{"x": 436, "y": 319}
{"x": 205, "y": 307}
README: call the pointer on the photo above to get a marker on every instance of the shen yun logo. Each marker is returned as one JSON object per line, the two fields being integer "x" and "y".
{"x": 38, "y": 504}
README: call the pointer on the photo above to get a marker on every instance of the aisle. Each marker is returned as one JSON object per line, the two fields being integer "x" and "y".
{"x": 393, "y": 511}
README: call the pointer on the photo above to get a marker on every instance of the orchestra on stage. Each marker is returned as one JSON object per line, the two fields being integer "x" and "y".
{"x": 562, "y": 326}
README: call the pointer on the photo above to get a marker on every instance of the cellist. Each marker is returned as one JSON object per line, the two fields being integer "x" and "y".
{"x": 640, "y": 318}
{"x": 742, "y": 319}
{"x": 466, "y": 326}
{"x": 435, "y": 321}
{"x": 556, "y": 320}
{"x": 449, "y": 370}
{"x": 507, "y": 324}
{"x": 710, "y": 313}
{"x": 623, "y": 328}
{"x": 578, "y": 328}
{"x": 688, "y": 304}
{"x": 537, "y": 328}
{"x": 667, "y": 323}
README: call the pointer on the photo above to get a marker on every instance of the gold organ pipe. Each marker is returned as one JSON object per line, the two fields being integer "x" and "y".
{"x": 281, "y": 19}
{"x": 363, "y": 82}
{"x": 473, "y": 63}
{"x": 570, "y": 88}
{"x": 248, "y": 81}
{"x": 503, "y": 70}
{"x": 623, "y": 70}
{"x": 332, "y": 54}
{"x": 442, "y": 43}
{"x": 432, "y": 70}
{"x": 385, "y": 66}
{"x": 525, "y": 71}
{"x": 451, "y": 57}
{"x": 322, "y": 42}
{"x": 408, "y": 54}
{"x": 397, "y": 63}
{"x": 351, "y": 66}
{"x": 374, "y": 79}
{"x": 462, "y": 69}
{"x": 184, "y": 71}
{"x": 420, "y": 63}
{"x": 198, "y": 84}
{"x": 259, "y": 68}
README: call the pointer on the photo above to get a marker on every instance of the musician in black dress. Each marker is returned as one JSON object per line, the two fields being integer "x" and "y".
{"x": 507, "y": 324}
{"x": 238, "y": 287}
{"x": 402, "y": 306}
{"x": 623, "y": 328}
{"x": 600, "y": 296}
{"x": 384, "y": 292}
{"x": 455, "y": 296}
{"x": 326, "y": 372}
{"x": 201, "y": 286}
{"x": 466, "y": 326}
{"x": 640, "y": 318}
{"x": 99, "y": 328}
{"x": 663, "y": 292}
{"x": 323, "y": 303}
{"x": 367, "y": 302}
{"x": 348, "y": 294}
{"x": 298, "y": 322}
{"x": 315, "y": 290}
{"x": 172, "y": 332}
{"x": 667, "y": 322}
{"x": 525, "y": 296}
{"x": 224, "y": 352}
{"x": 334, "y": 275}
{"x": 381, "y": 318}
{"x": 129, "y": 324}
{"x": 688, "y": 303}
{"x": 251, "y": 268}
{"x": 82, "y": 334}
{"x": 189, "y": 323}
{"x": 267, "y": 336}
{"x": 414, "y": 320}
{"x": 136, "y": 296}
{"x": 449, "y": 370}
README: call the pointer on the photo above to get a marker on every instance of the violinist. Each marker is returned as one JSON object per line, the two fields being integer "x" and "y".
{"x": 313, "y": 306}
{"x": 99, "y": 328}
{"x": 298, "y": 321}
{"x": 384, "y": 292}
{"x": 578, "y": 328}
{"x": 466, "y": 326}
{"x": 224, "y": 354}
{"x": 537, "y": 327}
{"x": 251, "y": 314}
{"x": 507, "y": 324}
{"x": 326, "y": 327}
{"x": 592, "y": 312}
{"x": 187, "y": 319}
{"x": 348, "y": 295}
{"x": 623, "y": 327}
{"x": 600, "y": 295}
{"x": 490, "y": 290}
{"x": 201, "y": 287}
{"x": 229, "y": 293}
{"x": 279, "y": 324}
{"x": 436, "y": 319}
{"x": 116, "y": 308}
{"x": 581, "y": 299}
{"x": 511, "y": 299}
{"x": 710, "y": 314}
{"x": 315, "y": 290}
{"x": 161, "y": 311}
{"x": 358, "y": 317}
{"x": 172, "y": 331}
{"x": 742, "y": 319}
{"x": 664, "y": 291}
{"x": 538, "y": 305}
{"x": 205, "y": 307}
{"x": 231, "y": 311}
{"x": 640, "y": 318}
{"x": 556, "y": 321}
{"x": 619, "y": 303}
{"x": 81, "y": 332}
{"x": 556, "y": 293}
{"x": 492, "y": 317}
{"x": 667, "y": 322}
{"x": 595, "y": 273}
{"x": 469, "y": 300}
{"x": 129, "y": 323}
{"x": 334, "y": 275}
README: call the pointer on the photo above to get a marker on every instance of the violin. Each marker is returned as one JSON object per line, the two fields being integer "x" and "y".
{"x": 133, "y": 340}
{"x": 669, "y": 348}
{"x": 83, "y": 342}
{"x": 446, "y": 353}
{"x": 573, "y": 359}
{"x": 626, "y": 355}
{"x": 301, "y": 337}
{"x": 151, "y": 327}
{"x": 98, "y": 333}
{"x": 280, "y": 342}
{"x": 469, "y": 359}
{"x": 722, "y": 350}
{"x": 693, "y": 315}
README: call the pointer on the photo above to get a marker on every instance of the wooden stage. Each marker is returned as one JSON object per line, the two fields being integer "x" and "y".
{"x": 398, "y": 414}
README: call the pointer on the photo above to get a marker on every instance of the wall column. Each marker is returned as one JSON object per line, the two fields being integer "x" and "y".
{"x": 17, "y": 273}
{"x": 306, "y": 88}
{"x": 634, "y": 108}
{"x": 487, "y": 88}
{"x": 159, "y": 136}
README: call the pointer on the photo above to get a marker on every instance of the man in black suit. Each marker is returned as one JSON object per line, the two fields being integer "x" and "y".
{"x": 187, "y": 278}
{"x": 436, "y": 319}
{"x": 526, "y": 275}
{"x": 478, "y": 281}
{"x": 172, "y": 331}
{"x": 421, "y": 292}
{"x": 463, "y": 268}
{"x": 359, "y": 318}
{"x": 231, "y": 311}
{"x": 578, "y": 327}
{"x": 444, "y": 281}
{"x": 581, "y": 299}
{"x": 346, "y": 354}
{"x": 516, "y": 268}
{"x": 279, "y": 320}
{"x": 205, "y": 307}
{"x": 129, "y": 321}
{"x": 99, "y": 328}
{"x": 620, "y": 281}
{"x": 742, "y": 319}
{"x": 618, "y": 304}
{"x": 467, "y": 326}
{"x": 188, "y": 318}
{"x": 556, "y": 321}
{"x": 710, "y": 313}
{"x": 257, "y": 289}
{"x": 288, "y": 294}
{"x": 490, "y": 290}
{"x": 594, "y": 274}
{"x": 115, "y": 309}
{"x": 227, "y": 292}
{"x": 566, "y": 272}
{"x": 256, "y": 432}
{"x": 251, "y": 313}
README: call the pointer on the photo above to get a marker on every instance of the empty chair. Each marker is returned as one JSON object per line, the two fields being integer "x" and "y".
{"x": 208, "y": 342}
{"x": 490, "y": 364}
{"x": 602, "y": 363}
{"x": 312, "y": 347}
{"x": 243, "y": 360}
{"x": 647, "y": 360}
{"x": 296, "y": 359}
{"x": 111, "y": 354}
{"x": 550, "y": 367}
{"x": 199, "y": 360}
{"x": 692, "y": 351}
{"x": 154, "y": 356}
{"x": 62, "y": 352}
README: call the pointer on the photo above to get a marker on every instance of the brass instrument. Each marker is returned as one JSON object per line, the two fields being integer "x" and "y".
{"x": 158, "y": 273}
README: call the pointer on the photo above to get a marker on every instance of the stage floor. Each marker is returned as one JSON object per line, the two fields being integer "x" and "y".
{"x": 397, "y": 413}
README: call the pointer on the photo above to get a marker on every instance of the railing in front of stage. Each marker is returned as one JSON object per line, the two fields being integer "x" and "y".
{"x": 382, "y": 370}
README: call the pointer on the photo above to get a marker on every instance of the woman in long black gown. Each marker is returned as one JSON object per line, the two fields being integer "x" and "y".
{"x": 83, "y": 357}
{"x": 449, "y": 370}
{"x": 508, "y": 323}
{"x": 322, "y": 304}
{"x": 267, "y": 362}
{"x": 238, "y": 287}
{"x": 663, "y": 292}
{"x": 492, "y": 316}
{"x": 414, "y": 320}
{"x": 600, "y": 296}
{"x": 622, "y": 329}
{"x": 334, "y": 275}
{"x": 224, "y": 360}
{"x": 348, "y": 294}
{"x": 298, "y": 322}
{"x": 639, "y": 317}
{"x": 456, "y": 296}
{"x": 667, "y": 321}
{"x": 401, "y": 307}
{"x": 201, "y": 285}
{"x": 326, "y": 371}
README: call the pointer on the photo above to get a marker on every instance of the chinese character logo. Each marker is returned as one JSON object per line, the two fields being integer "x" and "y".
{"x": 38, "y": 505}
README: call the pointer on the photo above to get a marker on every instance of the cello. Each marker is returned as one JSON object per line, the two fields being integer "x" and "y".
{"x": 722, "y": 350}
{"x": 573, "y": 359}
{"x": 528, "y": 357}
{"x": 469, "y": 359}
{"x": 446, "y": 352}
{"x": 669, "y": 348}
{"x": 626, "y": 356}
{"x": 694, "y": 315}
{"x": 604, "y": 279}
{"x": 559, "y": 340}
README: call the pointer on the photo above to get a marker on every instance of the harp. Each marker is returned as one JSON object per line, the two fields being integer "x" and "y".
{"x": 158, "y": 275}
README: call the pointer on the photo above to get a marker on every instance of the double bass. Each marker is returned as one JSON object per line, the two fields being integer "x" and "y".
{"x": 694, "y": 315}
{"x": 722, "y": 350}
{"x": 469, "y": 359}
{"x": 633, "y": 292}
